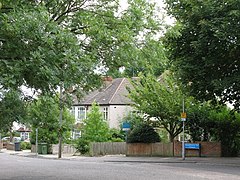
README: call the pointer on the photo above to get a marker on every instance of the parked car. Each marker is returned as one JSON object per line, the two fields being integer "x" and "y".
{"x": 15, "y": 139}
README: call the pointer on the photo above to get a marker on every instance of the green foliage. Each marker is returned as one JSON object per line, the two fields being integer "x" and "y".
{"x": 95, "y": 128}
{"x": 25, "y": 145}
{"x": 199, "y": 125}
{"x": 134, "y": 119}
{"x": 143, "y": 133}
{"x": 227, "y": 130}
{"x": 160, "y": 99}
{"x": 44, "y": 115}
{"x": 12, "y": 109}
{"x": 65, "y": 41}
{"x": 205, "y": 49}
{"x": 117, "y": 135}
{"x": 208, "y": 123}
{"x": 82, "y": 145}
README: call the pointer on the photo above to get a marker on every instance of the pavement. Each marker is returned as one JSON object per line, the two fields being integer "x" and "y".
{"x": 223, "y": 161}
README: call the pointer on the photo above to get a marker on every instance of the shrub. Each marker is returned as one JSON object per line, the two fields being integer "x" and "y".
{"x": 25, "y": 145}
{"x": 143, "y": 133}
{"x": 117, "y": 135}
{"x": 117, "y": 140}
{"x": 82, "y": 145}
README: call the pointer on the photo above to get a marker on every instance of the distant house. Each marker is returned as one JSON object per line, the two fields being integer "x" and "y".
{"x": 112, "y": 99}
{"x": 24, "y": 133}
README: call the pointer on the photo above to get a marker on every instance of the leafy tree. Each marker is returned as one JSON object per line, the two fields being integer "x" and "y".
{"x": 205, "y": 49}
{"x": 160, "y": 99}
{"x": 199, "y": 125}
{"x": 44, "y": 114}
{"x": 143, "y": 133}
{"x": 95, "y": 128}
{"x": 44, "y": 44}
{"x": 12, "y": 108}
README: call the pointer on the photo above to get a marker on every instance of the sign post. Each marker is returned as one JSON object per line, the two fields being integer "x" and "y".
{"x": 183, "y": 118}
{"x": 36, "y": 144}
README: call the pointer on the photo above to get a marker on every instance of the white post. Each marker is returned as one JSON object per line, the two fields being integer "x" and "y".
{"x": 183, "y": 139}
{"x": 36, "y": 144}
{"x": 60, "y": 123}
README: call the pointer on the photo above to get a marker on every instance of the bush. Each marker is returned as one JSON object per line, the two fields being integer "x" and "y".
{"x": 143, "y": 133}
{"x": 25, "y": 145}
{"x": 117, "y": 135}
{"x": 82, "y": 145}
{"x": 117, "y": 140}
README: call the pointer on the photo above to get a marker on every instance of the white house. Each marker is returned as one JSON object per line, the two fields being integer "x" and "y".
{"x": 112, "y": 99}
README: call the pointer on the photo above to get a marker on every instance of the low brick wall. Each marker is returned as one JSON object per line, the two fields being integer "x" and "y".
{"x": 66, "y": 149}
{"x": 208, "y": 149}
{"x": 10, "y": 146}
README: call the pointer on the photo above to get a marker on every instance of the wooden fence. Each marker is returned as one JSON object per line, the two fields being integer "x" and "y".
{"x": 210, "y": 149}
{"x": 149, "y": 149}
{"x": 105, "y": 148}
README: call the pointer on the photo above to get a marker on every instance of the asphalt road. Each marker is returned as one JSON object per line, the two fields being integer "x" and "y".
{"x": 28, "y": 168}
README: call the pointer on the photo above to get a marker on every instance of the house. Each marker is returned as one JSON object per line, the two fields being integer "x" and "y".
{"x": 112, "y": 99}
{"x": 24, "y": 133}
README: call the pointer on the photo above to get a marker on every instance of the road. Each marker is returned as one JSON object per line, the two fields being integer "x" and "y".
{"x": 13, "y": 167}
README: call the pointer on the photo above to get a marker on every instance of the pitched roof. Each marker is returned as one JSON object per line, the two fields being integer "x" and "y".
{"x": 113, "y": 92}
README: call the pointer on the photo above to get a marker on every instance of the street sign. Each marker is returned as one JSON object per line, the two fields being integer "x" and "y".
{"x": 183, "y": 116}
{"x": 192, "y": 146}
{"x": 126, "y": 126}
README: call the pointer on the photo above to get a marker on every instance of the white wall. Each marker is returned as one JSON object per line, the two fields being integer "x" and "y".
{"x": 116, "y": 114}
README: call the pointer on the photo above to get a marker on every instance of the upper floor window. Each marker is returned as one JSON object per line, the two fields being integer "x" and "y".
{"x": 105, "y": 113}
{"x": 81, "y": 113}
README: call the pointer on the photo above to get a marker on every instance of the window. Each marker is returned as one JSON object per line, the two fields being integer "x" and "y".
{"x": 81, "y": 113}
{"x": 24, "y": 135}
{"x": 76, "y": 134}
{"x": 105, "y": 113}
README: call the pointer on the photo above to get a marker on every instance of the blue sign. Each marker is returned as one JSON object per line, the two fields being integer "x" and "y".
{"x": 126, "y": 126}
{"x": 191, "y": 146}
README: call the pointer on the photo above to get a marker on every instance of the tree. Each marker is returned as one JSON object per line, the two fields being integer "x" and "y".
{"x": 44, "y": 115}
{"x": 205, "y": 50}
{"x": 199, "y": 125}
{"x": 226, "y": 130}
{"x": 95, "y": 128}
{"x": 12, "y": 108}
{"x": 47, "y": 43}
{"x": 161, "y": 100}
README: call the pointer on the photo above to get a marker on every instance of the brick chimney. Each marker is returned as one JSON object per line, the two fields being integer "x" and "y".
{"x": 107, "y": 80}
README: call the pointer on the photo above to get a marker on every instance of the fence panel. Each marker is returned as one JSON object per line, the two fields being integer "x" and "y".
{"x": 107, "y": 148}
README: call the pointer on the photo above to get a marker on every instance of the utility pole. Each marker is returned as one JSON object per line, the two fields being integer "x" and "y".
{"x": 60, "y": 124}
